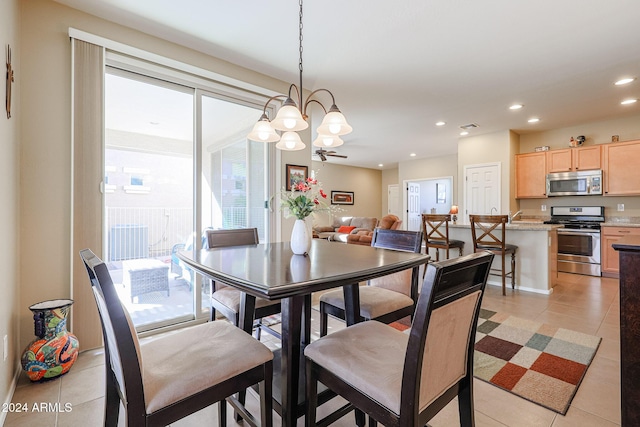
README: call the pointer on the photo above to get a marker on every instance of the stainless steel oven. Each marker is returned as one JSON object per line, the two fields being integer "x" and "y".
{"x": 579, "y": 238}
{"x": 579, "y": 251}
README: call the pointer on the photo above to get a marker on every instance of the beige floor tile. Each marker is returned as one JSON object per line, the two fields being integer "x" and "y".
{"x": 610, "y": 349}
{"x": 599, "y": 398}
{"x": 569, "y": 322}
{"x": 84, "y": 414}
{"x": 577, "y": 417}
{"x": 88, "y": 359}
{"x": 82, "y": 386}
{"x": 31, "y": 419}
{"x": 604, "y": 370}
{"x": 607, "y": 330}
{"x": 36, "y": 393}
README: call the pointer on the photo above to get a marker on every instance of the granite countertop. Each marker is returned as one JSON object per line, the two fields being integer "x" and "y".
{"x": 533, "y": 225}
{"x": 618, "y": 223}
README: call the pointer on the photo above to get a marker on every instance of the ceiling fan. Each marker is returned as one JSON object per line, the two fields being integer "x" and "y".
{"x": 324, "y": 153}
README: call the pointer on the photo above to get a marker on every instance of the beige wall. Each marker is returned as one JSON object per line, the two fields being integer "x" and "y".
{"x": 10, "y": 306}
{"x": 46, "y": 138}
{"x": 365, "y": 184}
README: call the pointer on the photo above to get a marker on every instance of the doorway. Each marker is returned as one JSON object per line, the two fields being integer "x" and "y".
{"x": 482, "y": 189}
{"x": 429, "y": 195}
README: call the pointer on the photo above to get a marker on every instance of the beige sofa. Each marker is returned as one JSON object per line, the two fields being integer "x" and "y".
{"x": 344, "y": 226}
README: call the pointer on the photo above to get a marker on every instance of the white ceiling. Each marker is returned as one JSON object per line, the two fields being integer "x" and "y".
{"x": 397, "y": 67}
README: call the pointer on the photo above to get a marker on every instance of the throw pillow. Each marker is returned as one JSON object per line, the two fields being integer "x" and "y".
{"x": 346, "y": 229}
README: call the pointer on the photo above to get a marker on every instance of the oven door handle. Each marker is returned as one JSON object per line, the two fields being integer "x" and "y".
{"x": 578, "y": 233}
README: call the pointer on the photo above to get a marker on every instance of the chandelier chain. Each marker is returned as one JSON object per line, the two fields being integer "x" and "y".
{"x": 300, "y": 50}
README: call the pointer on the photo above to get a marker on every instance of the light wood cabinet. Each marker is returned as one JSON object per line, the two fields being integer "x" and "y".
{"x": 609, "y": 236}
{"x": 531, "y": 175}
{"x": 574, "y": 159}
{"x": 620, "y": 165}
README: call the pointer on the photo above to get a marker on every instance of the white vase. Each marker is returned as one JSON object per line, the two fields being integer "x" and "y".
{"x": 300, "y": 238}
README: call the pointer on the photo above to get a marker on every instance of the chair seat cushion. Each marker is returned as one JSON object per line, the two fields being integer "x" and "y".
{"x": 507, "y": 248}
{"x": 369, "y": 356}
{"x": 230, "y": 297}
{"x": 374, "y": 301}
{"x": 181, "y": 363}
{"x": 452, "y": 243}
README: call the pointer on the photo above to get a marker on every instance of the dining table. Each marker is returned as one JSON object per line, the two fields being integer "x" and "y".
{"x": 272, "y": 271}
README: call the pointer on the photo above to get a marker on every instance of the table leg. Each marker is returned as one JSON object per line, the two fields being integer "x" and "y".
{"x": 351, "y": 304}
{"x": 245, "y": 322}
{"x": 290, "y": 364}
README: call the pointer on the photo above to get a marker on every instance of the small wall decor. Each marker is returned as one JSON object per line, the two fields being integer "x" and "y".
{"x": 9, "y": 81}
{"x": 342, "y": 197}
{"x": 296, "y": 174}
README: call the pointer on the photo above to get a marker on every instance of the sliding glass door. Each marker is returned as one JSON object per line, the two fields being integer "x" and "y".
{"x": 176, "y": 161}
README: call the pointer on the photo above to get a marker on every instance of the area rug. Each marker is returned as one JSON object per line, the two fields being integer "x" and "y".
{"x": 538, "y": 362}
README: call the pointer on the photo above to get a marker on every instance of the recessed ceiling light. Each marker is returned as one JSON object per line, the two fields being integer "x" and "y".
{"x": 516, "y": 107}
{"x": 533, "y": 120}
{"x": 440, "y": 123}
{"x": 624, "y": 81}
{"x": 380, "y": 165}
{"x": 629, "y": 101}
{"x": 464, "y": 133}
{"x": 412, "y": 154}
{"x": 154, "y": 123}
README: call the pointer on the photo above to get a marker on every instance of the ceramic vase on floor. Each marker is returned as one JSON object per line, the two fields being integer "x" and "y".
{"x": 54, "y": 350}
{"x": 300, "y": 238}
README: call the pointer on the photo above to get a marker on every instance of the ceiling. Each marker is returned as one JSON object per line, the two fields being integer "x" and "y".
{"x": 396, "y": 68}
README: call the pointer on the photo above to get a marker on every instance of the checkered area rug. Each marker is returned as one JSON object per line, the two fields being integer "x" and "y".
{"x": 536, "y": 361}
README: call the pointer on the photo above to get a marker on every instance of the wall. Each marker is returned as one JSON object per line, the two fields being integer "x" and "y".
{"x": 628, "y": 128}
{"x": 365, "y": 183}
{"x": 46, "y": 139}
{"x": 10, "y": 306}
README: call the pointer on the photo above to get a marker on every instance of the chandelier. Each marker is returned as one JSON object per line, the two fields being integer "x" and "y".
{"x": 292, "y": 117}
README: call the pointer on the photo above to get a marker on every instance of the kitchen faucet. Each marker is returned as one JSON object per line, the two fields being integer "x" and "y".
{"x": 493, "y": 209}
{"x": 511, "y": 217}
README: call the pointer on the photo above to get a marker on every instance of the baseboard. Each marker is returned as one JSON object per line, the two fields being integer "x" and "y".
{"x": 12, "y": 390}
{"x": 521, "y": 288}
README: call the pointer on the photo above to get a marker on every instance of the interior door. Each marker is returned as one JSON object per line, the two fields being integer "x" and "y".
{"x": 413, "y": 207}
{"x": 392, "y": 201}
{"x": 482, "y": 190}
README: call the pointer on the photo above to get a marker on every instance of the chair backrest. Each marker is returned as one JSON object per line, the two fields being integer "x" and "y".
{"x": 488, "y": 231}
{"x": 435, "y": 227}
{"x": 400, "y": 240}
{"x": 441, "y": 341}
{"x": 122, "y": 348}
{"x": 233, "y": 237}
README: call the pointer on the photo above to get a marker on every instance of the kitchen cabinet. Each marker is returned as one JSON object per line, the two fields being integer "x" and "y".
{"x": 531, "y": 175}
{"x": 574, "y": 159}
{"x": 620, "y": 165}
{"x": 609, "y": 236}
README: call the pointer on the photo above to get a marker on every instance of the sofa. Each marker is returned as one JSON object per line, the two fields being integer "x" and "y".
{"x": 345, "y": 226}
{"x": 388, "y": 222}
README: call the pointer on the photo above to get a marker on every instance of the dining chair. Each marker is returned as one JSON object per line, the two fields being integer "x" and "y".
{"x": 171, "y": 376}
{"x": 401, "y": 379}
{"x": 226, "y": 299}
{"x": 435, "y": 228}
{"x": 386, "y": 299}
{"x": 488, "y": 233}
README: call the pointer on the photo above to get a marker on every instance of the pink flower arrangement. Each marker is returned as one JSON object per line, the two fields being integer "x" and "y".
{"x": 305, "y": 198}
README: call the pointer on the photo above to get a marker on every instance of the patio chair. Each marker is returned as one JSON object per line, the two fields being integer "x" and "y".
{"x": 403, "y": 379}
{"x": 165, "y": 379}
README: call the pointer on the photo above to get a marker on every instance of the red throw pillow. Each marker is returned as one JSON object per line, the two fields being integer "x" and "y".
{"x": 346, "y": 229}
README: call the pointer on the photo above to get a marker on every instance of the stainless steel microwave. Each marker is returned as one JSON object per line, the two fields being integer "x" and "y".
{"x": 579, "y": 183}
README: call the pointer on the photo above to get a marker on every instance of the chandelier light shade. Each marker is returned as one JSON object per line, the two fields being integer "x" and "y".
{"x": 263, "y": 131}
{"x": 290, "y": 141}
{"x": 327, "y": 141}
{"x": 292, "y": 117}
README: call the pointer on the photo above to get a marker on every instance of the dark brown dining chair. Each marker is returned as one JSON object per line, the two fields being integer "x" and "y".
{"x": 435, "y": 228}
{"x": 386, "y": 299}
{"x": 226, "y": 299}
{"x": 169, "y": 377}
{"x": 488, "y": 233}
{"x": 401, "y": 379}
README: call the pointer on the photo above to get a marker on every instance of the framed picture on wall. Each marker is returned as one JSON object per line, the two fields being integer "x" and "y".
{"x": 342, "y": 197}
{"x": 296, "y": 174}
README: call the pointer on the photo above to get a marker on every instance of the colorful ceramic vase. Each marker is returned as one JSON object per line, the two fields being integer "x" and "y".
{"x": 54, "y": 350}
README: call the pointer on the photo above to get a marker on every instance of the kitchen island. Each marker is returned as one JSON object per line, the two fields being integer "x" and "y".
{"x": 536, "y": 258}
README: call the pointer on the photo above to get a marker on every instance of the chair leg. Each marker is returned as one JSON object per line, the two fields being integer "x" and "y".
{"x": 504, "y": 278}
{"x": 266, "y": 396}
{"x": 465, "y": 403}
{"x": 513, "y": 270}
{"x": 372, "y": 422}
{"x": 222, "y": 413}
{"x": 361, "y": 419}
{"x": 112, "y": 404}
{"x": 311, "y": 397}
{"x": 324, "y": 319}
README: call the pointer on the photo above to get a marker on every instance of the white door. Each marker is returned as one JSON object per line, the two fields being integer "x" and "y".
{"x": 413, "y": 207}
{"x": 482, "y": 190}
{"x": 392, "y": 201}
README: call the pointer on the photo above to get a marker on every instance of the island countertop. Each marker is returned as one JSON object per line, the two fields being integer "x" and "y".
{"x": 518, "y": 225}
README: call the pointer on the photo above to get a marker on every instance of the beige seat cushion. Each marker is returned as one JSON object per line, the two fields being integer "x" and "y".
{"x": 374, "y": 301}
{"x": 231, "y": 298}
{"x": 179, "y": 364}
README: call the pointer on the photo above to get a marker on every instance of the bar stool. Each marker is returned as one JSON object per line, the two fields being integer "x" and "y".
{"x": 483, "y": 228}
{"x": 435, "y": 228}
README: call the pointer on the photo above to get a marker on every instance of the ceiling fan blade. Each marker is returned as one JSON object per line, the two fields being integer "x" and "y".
{"x": 337, "y": 155}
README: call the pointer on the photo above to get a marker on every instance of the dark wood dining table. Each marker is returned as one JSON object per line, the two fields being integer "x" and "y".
{"x": 273, "y": 272}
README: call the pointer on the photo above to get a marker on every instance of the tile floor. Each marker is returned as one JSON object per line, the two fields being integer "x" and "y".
{"x": 581, "y": 303}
